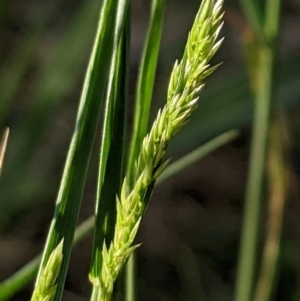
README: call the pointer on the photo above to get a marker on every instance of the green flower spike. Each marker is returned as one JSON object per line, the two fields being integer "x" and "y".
{"x": 46, "y": 287}
{"x": 186, "y": 82}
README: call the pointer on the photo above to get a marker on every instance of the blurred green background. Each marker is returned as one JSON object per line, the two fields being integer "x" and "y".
{"x": 190, "y": 233}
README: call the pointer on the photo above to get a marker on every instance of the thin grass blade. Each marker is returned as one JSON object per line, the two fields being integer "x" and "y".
{"x": 70, "y": 193}
{"x": 145, "y": 82}
{"x": 111, "y": 153}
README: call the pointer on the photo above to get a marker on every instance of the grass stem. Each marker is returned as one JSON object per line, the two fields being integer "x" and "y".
{"x": 249, "y": 241}
{"x": 278, "y": 186}
{"x": 259, "y": 145}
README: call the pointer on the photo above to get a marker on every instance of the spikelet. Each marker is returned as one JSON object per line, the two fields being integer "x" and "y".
{"x": 46, "y": 287}
{"x": 186, "y": 82}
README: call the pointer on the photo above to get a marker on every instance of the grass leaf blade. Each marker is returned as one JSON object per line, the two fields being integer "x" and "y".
{"x": 111, "y": 153}
{"x": 145, "y": 83}
{"x": 72, "y": 184}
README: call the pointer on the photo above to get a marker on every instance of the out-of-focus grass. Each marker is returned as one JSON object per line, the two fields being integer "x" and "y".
{"x": 56, "y": 80}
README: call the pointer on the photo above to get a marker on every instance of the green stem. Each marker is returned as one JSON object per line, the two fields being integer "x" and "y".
{"x": 145, "y": 84}
{"x": 98, "y": 294}
{"x": 245, "y": 279}
{"x": 130, "y": 278}
{"x": 259, "y": 145}
{"x": 278, "y": 169}
{"x": 272, "y": 20}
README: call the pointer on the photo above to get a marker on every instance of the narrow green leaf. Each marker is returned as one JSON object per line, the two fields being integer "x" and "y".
{"x": 111, "y": 153}
{"x": 145, "y": 82}
{"x": 70, "y": 193}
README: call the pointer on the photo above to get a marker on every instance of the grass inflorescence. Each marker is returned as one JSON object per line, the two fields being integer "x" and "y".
{"x": 46, "y": 286}
{"x": 187, "y": 80}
